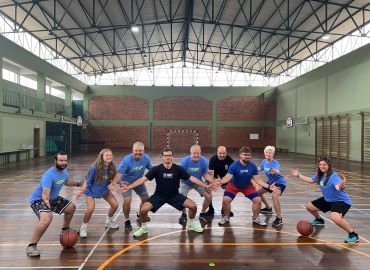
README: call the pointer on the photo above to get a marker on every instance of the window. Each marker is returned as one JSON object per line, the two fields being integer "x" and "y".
{"x": 10, "y": 76}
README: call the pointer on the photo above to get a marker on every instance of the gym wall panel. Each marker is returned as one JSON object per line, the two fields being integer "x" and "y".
{"x": 17, "y": 131}
{"x": 349, "y": 89}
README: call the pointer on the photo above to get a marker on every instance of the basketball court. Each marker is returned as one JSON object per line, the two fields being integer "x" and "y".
{"x": 240, "y": 245}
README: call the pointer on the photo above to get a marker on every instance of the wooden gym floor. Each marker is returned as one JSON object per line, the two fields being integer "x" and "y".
{"x": 168, "y": 246}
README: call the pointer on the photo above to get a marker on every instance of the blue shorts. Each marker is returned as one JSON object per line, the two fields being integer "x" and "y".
{"x": 176, "y": 201}
{"x": 280, "y": 186}
{"x": 141, "y": 191}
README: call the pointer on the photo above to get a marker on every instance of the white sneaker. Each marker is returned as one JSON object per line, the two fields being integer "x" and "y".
{"x": 32, "y": 251}
{"x": 224, "y": 220}
{"x": 83, "y": 231}
{"x": 111, "y": 224}
{"x": 259, "y": 221}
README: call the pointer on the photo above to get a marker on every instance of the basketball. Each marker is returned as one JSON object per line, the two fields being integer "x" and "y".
{"x": 304, "y": 227}
{"x": 68, "y": 238}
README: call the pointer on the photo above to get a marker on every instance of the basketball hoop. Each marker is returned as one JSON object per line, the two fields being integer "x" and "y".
{"x": 79, "y": 121}
{"x": 289, "y": 122}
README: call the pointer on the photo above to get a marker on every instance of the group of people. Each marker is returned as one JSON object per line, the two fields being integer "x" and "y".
{"x": 173, "y": 182}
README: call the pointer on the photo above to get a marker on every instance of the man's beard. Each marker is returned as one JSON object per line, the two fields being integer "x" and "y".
{"x": 60, "y": 167}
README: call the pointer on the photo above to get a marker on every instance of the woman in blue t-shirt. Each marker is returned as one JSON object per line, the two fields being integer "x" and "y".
{"x": 98, "y": 178}
{"x": 271, "y": 168}
{"x": 334, "y": 199}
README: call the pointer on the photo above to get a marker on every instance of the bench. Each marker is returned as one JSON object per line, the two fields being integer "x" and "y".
{"x": 6, "y": 155}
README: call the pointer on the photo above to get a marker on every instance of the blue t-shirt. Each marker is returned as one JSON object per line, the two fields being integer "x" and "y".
{"x": 329, "y": 191}
{"x": 194, "y": 168}
{"x": 243, "y": 174}
{"x": 272, "y": 178}
{"x": 132, "y": 169}
{"x": 52, "y": 179}
{"x": 94, "y": 189}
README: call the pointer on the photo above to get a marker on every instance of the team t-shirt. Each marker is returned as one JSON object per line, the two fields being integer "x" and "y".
{"x": 52, "y": 179}
{"x": 194, "y": 168}
{"x": 168, "y": 180}
{"x": 272, "y": 178}
{"x": 132, "y": 169}
{"x": 243, "y": 174}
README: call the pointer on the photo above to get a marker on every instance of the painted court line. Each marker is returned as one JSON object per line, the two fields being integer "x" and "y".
{"x": 97, "y": 244}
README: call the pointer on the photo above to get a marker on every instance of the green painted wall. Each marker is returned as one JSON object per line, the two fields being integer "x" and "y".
{"x": 339, "y": 87}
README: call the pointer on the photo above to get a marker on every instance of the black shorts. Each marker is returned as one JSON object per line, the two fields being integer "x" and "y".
{"x": 176, "y": 201}
{"x": 57, "y": 206}
{"x": 281, "y": 187}
{"x": 338, "y": 207}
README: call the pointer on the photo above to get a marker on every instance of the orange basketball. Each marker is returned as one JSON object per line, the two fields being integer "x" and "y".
{"x": 68, "y": 238}
{"x": 304, "y": 227}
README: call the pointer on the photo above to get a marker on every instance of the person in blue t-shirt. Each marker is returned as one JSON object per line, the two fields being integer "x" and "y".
{"x": 239, "y": 178}
{"x": 100, "y": 175}
{"x": 132, "y": 167}
{"x": 271, "y": 168}
{"x": 45, "y": 199}
{"x": 335, "y": 199}
{"x": 196, "y": 165}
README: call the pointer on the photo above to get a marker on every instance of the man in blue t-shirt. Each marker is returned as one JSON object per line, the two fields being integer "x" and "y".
{"x": 240, "y": 176}
{"x": 132, "y": 167}
{"x": 196, "y": 165}
{"x": 45, "y": 199}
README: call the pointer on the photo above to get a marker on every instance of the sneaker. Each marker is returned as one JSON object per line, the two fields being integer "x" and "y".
{"x": 224, "y": 220}
{"x": 83, "y": 231}
{"x": 32, "y": 251}
{"x": 266, "y": 210}
{"x": 194, "y": 227}
{"x": 128, "y": 226}
{"x": 277, "y": 222}
{"x": 203, "y": 217}
{"x": 112, "y": 224}
{"x": 318, "y": 222}
{"x": 231, "y": 213}
{"x": 183, "y": 219}
{"x": 139, "y": 232}
{"x": 210, "y": 213}
{"x": 352, "y": 238}
{"x": 259, "y": 221}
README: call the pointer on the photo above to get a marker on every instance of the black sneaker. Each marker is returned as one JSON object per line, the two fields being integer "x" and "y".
{"x": 266, "y": 210}
{"x": 210, "y": 213}
{"x": 183, "y": 219}
{"x": 231, "y": 213}
{"x": 203, "y": 217}
{"x": 128, "y": 226}
{"x": 277, "y": 222}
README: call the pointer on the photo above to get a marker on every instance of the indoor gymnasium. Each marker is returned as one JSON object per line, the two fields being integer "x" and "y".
{"x": 185, "y": 134}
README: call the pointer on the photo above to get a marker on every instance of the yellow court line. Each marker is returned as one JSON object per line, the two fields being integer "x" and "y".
{"x": 116, "y": 255}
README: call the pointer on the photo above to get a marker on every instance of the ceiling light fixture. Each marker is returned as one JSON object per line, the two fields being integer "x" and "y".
{"x": 134, "y": 28}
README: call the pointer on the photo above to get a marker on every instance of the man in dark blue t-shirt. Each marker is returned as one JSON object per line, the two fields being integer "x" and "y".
{"x": 167, "y": 176}
{"x": 240, "y": 176}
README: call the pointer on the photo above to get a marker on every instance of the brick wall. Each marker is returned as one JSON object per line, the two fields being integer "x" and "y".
{"x": 246, "y": 108}
{"x": 118, "y": 107}
{"x": 183, "y": 109}
{"x": 235, "y": 137}
{"x": 119, "y": 137}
